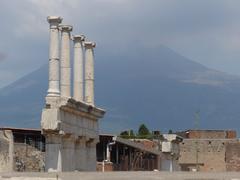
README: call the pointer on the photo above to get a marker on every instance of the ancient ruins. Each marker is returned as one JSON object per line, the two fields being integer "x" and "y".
{"x": 70, "y": 124}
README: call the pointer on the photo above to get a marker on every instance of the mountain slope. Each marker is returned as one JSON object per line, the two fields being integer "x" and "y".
{"x": 152, "y": 85}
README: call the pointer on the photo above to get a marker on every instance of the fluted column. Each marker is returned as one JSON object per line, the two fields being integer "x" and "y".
{"x": 53, "y": 88}
{"x": 78, "y": 67}
{"x": 65, "y": 61}
{"x": 89, "y": 73}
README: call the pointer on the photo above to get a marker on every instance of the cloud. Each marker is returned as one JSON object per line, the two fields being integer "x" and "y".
{"x": 3, "y": 56}
{"x": 205, "y": 31}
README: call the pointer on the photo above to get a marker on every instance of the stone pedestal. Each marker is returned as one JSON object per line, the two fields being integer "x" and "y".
{"x": 71, "y": 131}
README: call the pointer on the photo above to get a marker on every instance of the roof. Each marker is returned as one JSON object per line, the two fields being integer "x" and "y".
{"x": 21, "y": 129}
{"x": 107, "y": 135}
{"x": 136, "y": 145}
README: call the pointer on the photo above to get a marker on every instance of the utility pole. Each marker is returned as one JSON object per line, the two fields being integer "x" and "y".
{"x": 196, "y": 124}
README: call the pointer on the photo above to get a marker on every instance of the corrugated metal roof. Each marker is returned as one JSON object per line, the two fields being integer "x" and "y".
{"x": 136, "y": 145}
{"x": 22, "y": 129}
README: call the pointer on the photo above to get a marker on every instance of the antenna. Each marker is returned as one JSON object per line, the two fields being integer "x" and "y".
{"x": 196, "y": 124}
{"x": 196, "y": 119}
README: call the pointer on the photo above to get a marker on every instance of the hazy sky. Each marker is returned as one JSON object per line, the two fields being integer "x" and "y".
{"x": 206, "y": 31}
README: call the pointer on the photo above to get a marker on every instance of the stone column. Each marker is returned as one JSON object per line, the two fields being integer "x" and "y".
{"x": 65, "y": 61}
{"x": 53, "y": 89}
{"x": 78, "y": 67}
{"x": 89, "y": 72}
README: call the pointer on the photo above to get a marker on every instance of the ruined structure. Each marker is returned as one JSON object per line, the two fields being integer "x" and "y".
{"x": 118, "y": 154}
{"x": 209, "y": 150}
{"x": 70, "y": 125}
{"x": 21, "y": 150}
{"x": 170, "y": 152}
{"x": 6, "y": 151}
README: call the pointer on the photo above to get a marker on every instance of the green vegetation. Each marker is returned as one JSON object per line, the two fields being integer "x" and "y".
{"x": 128, "y": 134}
{"x": 170, "y": 131}
{"x": 143, "y": 133}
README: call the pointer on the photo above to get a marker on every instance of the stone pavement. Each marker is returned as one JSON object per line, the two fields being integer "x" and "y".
{"x": 122, "y": 176}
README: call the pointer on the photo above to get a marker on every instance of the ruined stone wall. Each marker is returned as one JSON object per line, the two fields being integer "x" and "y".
{"x": 231, "y": 134}
{"x": 208, "y": 153}
{"x": 209, "y": 134}
{"x": 233, "y": 156}
{"x": 28, "y": 158}
{"x": 4, "y": 154}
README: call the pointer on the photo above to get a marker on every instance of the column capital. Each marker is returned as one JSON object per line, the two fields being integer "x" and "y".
{"x": 65, "y": 28}
{"x": 78, "y": 38}
{"x": 54, "y": 21}
{"x": 89, "y": 45}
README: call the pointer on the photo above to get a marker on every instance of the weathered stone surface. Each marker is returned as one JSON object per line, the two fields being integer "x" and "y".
{"x": 78, "y": 67}
{"x": 209, "y": 134}
{"x": 65, "y": 61}
{"x": 71, "y": 131}
{"x": 233, "y": 156}
{"x": 53, "y": 89}
{"x": 28, "y": 158}
{"x": 6, "y": 151}
{"x": 209, "y": 154}
{"x": 89, "y": 72}
{"x": 70, "y": 126}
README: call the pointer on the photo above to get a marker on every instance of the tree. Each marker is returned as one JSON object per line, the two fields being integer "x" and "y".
{"x": 143, "y": 131}
{"x": 170, "y": 131}
{"x": 124, "y": 133}
{"x": 127, "y": 134}
{"x": 131, "y": 133}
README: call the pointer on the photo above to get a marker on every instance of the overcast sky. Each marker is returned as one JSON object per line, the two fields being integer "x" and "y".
{"x": 206, "y": 31}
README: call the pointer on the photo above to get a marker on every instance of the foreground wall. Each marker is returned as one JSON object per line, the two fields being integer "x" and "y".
{"x": 122, "y": 176}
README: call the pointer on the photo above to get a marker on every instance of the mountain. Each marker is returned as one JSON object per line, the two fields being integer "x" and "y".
{"x": 155, "y": 86}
